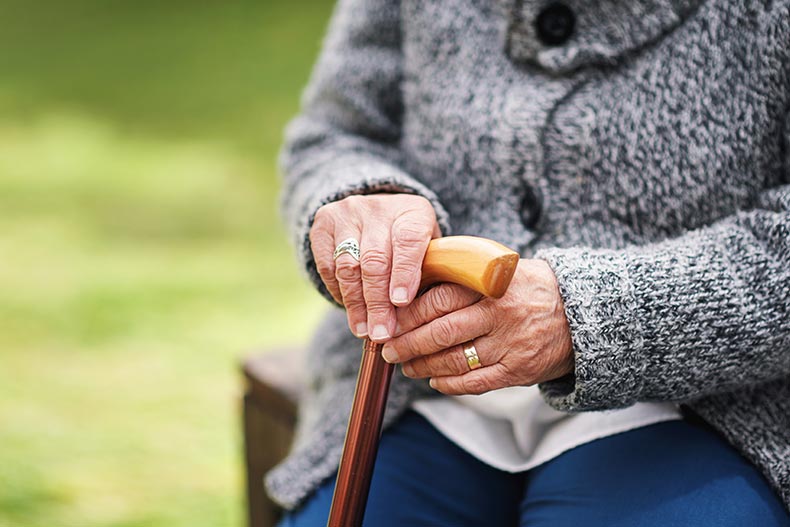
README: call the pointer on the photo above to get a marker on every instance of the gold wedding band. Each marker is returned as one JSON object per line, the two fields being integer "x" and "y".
{"x": 472, "y": 358}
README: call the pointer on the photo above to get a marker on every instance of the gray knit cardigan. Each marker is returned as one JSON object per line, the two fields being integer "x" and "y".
{"x": 646, "y": 159}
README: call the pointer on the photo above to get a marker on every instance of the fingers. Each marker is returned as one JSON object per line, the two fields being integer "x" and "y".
{"x": 452, "y": 361}
{"x": 348, "y": 276}
{"x": 393, "y": 231}
{"x": 473, "y": 383}
{"x": 322, "y": 245}
{"x": 451, "y": 374}
{"x": 440, "y": 334}
{"x": 376, "y": 266}
{"x": 434, "y": 303}
{"x": 410, "y": 238}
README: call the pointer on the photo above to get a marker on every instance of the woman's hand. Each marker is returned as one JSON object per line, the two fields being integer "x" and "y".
{"x": 393, "y": 231}
{"x": 522, "y": 338}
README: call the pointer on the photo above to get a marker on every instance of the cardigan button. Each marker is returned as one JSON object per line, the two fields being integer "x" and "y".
{"x": 555, "y": 24}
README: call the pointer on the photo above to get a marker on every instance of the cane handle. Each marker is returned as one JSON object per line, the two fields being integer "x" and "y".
{"x": 477, "y": 263}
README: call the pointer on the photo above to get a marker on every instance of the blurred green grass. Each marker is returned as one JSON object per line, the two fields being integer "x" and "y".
{"x": 140, "y": 250}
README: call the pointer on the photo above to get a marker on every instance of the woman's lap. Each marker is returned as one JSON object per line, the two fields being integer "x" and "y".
{"x": 422, "y": 479}
{"x": 665, "y": 474}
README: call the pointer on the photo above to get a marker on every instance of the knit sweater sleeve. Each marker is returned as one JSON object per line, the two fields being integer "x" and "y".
{"x": 345, "y": 141}
{"x": 700, "y": 314}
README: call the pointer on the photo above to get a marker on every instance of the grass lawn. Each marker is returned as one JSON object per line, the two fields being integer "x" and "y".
{"x": 140, "y": 250}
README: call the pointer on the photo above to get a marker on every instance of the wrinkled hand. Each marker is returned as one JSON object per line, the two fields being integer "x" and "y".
{"x": 522, "y": 338}
{"x": 393, "y": 231}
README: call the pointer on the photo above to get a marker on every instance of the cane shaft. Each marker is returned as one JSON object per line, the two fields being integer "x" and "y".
{"x": 362, "y": 439}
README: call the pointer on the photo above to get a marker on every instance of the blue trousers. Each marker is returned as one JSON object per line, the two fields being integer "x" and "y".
{"x": 667, "y": 474}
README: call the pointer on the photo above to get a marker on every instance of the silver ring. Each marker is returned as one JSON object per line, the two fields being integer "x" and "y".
{"x": 472, "y": 358}
{"x": 348, "y": 246}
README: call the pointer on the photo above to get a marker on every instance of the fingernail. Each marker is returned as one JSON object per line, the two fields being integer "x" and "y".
{"x": 389, "y": 354}
{"x": 400, "y": 295}
{"x": 379, "y": 333}
{"x": 408, "y": 371}
{"x": 398, "y": 328}
{"x": 362, "y": 329}
{"x": 432, "y": 383}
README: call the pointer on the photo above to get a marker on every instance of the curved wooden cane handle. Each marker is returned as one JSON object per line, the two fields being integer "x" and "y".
{"x": 478, "y": 263}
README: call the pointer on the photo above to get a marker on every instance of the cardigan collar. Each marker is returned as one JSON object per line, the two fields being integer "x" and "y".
{"x": 603, "y": 30}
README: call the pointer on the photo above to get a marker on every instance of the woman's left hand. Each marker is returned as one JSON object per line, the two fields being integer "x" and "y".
{"x": 521, "y": 339}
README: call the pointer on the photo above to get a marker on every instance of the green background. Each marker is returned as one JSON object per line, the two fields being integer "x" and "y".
{"x": 141, "y": 254}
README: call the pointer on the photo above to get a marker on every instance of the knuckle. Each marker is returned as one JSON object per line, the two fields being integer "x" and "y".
{"x": 325, "y": 268}
{"x": 320, "y": 241}
{"x": 409, "y": 233}
{"x": 406, "y": 319}
{"x": 408, "y": 343}
{"x": 377, "y": 301}
{"x": 424, "y": 204}
{"x": 441, "y": 334}
{"x": 351, "y": 200}
{"x": 375, "y": 264}
{"x": 323, "y": 218}
{"x": 347, "y": 270}
{"x": 442, "y": 299}
{"x": 320, "y": 217}
{"x": 448, "y": 386}
{"x": 455, "y": 362}
{"x": 487, "y": 317}
{"x": 404, "y": 267}
{"x": 355, "y": 306}
{"x": 314, "y": 235}
{"x": 418, "y": 204}
{"x": 419, "y": 313}
{"x": 419, "y": 367}
{"x": 475, "y": 385}
{"x": 378, "y": 310}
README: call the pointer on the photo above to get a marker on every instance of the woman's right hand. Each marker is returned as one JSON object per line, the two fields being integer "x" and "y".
{"x": 393, "y": 231}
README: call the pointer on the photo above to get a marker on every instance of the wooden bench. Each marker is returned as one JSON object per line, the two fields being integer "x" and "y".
{"x": 274, "y": 384}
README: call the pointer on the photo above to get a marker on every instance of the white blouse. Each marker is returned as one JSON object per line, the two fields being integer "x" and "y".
{"x": 514, "y": 430}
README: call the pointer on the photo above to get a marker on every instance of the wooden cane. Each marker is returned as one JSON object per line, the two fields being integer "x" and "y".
{"x": 477, "y": 263}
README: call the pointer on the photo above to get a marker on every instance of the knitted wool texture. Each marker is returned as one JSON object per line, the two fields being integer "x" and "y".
{"x": 646, "y": 160}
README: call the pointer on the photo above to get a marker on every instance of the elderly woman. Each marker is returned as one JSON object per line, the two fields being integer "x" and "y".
{"x": 637, "y": 154}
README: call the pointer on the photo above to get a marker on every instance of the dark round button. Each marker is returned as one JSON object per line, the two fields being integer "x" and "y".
{"x": 555, "y": 24}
